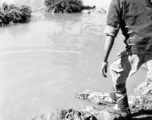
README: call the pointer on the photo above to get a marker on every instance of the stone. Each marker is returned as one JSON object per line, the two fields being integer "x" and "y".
{"x": 92, "y": 96}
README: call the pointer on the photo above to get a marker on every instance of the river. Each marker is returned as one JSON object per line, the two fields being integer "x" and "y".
{"x": 45, "y": 62}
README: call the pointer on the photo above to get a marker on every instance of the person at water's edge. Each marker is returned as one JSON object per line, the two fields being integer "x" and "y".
{"x": 134, "y": 18}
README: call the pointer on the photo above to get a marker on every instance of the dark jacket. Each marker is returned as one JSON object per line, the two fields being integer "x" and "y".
{"x": 134, "y": 18}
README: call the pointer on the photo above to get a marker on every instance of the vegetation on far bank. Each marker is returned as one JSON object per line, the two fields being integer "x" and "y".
{"x": 14, "y": 13}
{"x": 17, "y": 13}
{"x": 65, "y": 6}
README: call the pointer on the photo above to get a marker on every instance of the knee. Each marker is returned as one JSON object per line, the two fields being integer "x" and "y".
{"x": 117, "y": 72}
{"x": 116, "y": 66}
{"x": 118, "y": 77}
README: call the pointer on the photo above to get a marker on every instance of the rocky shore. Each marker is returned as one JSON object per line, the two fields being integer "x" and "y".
{"x": 140, "y": 102}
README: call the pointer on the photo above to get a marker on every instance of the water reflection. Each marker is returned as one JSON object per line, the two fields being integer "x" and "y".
{"x": 16, "y": 30}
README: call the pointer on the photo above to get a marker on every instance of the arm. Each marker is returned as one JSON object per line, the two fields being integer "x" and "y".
{"x": 112, "y": 28}
{"x": 113, "y": 24}
{"x": 108, "y": 46}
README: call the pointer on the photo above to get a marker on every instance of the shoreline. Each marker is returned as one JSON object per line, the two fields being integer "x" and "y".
{"x": 140, "y": 102}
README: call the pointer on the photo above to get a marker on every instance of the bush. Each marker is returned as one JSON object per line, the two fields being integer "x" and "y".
{"x": 14, "y": 13}
{"x": 63, "y": 6}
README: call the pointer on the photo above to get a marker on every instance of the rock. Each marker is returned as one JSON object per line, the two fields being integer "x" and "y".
{"x": 88, "y": 113}
{"x": 95, "y": 97}
{"x": 86, "y": 11}
{"x": 102, "y": 113}
{"x": 93, "y": 9}
{"x": 141, "y": 97}
{"x": 149, "y": 66}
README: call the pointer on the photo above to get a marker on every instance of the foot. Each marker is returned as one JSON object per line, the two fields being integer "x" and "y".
{"x": 117, "y": 110}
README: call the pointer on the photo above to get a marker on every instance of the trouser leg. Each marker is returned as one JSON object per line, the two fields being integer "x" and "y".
{"x": 121, "y": 69}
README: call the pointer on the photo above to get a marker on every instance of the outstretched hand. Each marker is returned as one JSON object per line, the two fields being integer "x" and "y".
{"x": 104, "y": 68}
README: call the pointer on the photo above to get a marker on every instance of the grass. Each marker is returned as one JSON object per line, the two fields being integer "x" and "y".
{"x": 14, "y": 13}
{"x": 63, "y": 6}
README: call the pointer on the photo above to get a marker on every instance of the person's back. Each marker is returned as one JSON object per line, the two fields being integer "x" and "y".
{"x": 137, "y": 15}
{"x": 134, "y": 18}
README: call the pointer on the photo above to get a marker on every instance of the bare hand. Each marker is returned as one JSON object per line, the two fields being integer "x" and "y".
{"x": 104, "y": 68}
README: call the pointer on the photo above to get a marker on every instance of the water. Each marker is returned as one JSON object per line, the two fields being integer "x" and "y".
{"x": 45, "y": 62}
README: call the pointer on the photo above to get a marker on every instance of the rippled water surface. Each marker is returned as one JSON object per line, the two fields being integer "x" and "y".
{"x": 45, "y": 62}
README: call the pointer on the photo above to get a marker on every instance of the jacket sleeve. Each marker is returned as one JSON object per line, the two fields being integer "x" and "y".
{"x": 114, "y": 18}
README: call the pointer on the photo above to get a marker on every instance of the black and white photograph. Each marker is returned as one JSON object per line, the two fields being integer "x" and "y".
{"x": 75, "y": 59}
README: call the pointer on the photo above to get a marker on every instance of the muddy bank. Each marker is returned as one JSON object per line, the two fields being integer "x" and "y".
{"x": 140, "y": 102}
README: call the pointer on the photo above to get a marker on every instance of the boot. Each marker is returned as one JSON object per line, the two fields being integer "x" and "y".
{"x": 122, "y": 107}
